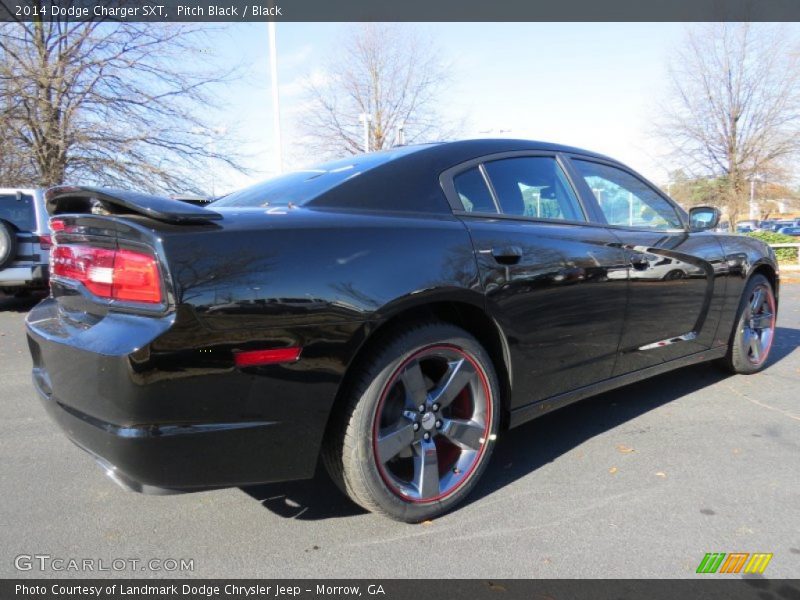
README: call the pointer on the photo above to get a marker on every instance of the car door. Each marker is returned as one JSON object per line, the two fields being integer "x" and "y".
{"x": 554, "y": 283}
{"x": 674, "y": 301}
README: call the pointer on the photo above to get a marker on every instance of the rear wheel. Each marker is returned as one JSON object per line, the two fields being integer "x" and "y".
{"x": 417, "y": 430}
{"x": 752, "y": 339}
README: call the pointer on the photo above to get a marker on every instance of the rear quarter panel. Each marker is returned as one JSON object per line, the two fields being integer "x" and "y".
{"x": 319, "y": 280}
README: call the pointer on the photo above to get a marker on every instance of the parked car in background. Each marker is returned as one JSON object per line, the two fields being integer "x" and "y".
{"x": 393, "y": 312}
{"x": 723, "y": 227}
{"x": 746, "y": 226}
{"x": 766, "y": 225}
{"x": 790, "y": 230}
{"x": 778, "y": 225}
{"x": 24, "y": 240}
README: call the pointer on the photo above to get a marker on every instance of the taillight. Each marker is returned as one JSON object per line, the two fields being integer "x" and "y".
{"x": 122, "y": 274}
{"x": 46, "y": 242}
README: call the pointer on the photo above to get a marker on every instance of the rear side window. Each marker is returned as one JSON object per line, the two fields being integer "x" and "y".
{"x": 18, "y": 211}
{"x": 473, "y": 193}
{"x": 533, "y": 186}
{"x": 626, "y": 200}
{"x": 301, "y": 187}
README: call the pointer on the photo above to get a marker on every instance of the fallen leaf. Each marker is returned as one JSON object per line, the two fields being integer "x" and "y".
{"x": 661, "y": 474}
{"x": 427, "y": 523}
{"x": 624, "y": 449}
{"x": 612, "y": 470}
{"x": 496, "y": 586}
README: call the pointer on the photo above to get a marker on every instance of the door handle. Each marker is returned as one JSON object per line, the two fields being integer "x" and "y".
{"x": 507, "y": 255}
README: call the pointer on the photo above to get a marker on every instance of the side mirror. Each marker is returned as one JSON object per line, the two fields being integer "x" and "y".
{"x": 702, "y": 218}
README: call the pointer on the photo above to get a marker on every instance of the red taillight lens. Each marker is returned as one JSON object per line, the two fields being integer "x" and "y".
{"x": 46, "y": 242}
{"x": 136, "y": 277}
{"x": 118, "y": 274}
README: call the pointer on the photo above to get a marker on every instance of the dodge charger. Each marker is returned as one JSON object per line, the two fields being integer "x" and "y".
{"x": 390, "y": 314}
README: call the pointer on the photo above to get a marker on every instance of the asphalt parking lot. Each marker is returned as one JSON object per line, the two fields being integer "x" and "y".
{"x": 639, "y": 482}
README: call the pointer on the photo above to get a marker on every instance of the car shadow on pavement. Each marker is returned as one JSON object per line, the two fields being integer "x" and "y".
{"x": 528, "y": 447}
{"x": 21, "y": 304}
{"x": 534, "y": 444}
{"x": 310, "y": 499}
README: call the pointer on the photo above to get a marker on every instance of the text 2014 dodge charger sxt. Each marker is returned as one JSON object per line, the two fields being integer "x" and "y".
{"x": 393, "y": 312}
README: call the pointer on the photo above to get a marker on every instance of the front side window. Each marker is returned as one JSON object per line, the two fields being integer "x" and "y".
{"x": 533, "y": 186}
{"x": 626, "y": 200}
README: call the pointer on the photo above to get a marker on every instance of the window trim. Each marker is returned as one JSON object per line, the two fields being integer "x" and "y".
{"x": 489, "y": 186}
{"x": 586, "y": 191}
{"x": 448, "y": 186}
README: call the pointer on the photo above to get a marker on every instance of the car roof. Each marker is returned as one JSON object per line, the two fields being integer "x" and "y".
{"x": 473, "y": 148}
{"x": 404, "y": 180}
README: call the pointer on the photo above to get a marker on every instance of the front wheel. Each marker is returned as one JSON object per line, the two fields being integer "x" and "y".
{"x": 419, "y": 423}
{"x": 752, "y": 339}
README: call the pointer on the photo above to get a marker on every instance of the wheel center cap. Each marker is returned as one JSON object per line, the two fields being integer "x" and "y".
{"x": 428, "y": 421}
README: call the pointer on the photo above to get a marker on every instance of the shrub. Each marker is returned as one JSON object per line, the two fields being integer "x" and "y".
{"x": 784, "y": 255}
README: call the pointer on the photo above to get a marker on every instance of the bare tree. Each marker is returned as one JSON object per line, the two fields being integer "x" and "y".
{"x": 734, "y": 106}
{"x": 108, "y": 103}
{"x": 388, "y": 72}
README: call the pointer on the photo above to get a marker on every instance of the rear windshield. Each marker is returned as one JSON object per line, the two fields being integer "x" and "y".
{"x": 18, "y": 210}
{"x": 299, "y": 187}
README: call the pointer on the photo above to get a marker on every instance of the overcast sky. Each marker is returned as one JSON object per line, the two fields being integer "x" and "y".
{"x": 591, "y": 85}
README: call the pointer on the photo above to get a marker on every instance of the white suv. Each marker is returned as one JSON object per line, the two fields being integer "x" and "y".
{"x": 24, "y": 240}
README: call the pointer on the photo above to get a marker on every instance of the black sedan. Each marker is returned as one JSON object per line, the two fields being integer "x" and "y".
{"x": 392, "y": 313}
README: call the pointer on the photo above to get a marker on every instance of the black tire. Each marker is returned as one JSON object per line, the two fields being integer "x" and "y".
{"x": 673, "y": 275}
{"x": 742, "y": 357}
{"x": 378, "y": 392}
{"x": 8, "y": 244}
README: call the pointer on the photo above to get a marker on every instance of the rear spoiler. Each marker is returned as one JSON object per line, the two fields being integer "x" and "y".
{"x": 94, "y": 200}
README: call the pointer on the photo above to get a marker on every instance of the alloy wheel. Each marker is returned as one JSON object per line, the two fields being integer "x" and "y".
{"x": 432, "y": 423}
{"x": 758, "y": 324}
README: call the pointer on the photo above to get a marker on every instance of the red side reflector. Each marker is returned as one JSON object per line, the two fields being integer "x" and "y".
{"x": 274, "y": 356}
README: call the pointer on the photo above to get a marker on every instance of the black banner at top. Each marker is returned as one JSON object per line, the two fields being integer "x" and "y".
{"x": 400, "y": 10}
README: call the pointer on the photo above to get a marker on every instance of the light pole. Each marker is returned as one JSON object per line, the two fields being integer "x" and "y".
{"x": 753, "y": 209}
{"x": 365, "y": 119}
{"x": 276, "y": 101}
{"x": 213, "y": 133}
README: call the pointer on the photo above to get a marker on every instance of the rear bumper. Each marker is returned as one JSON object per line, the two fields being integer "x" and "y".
{"x": 162, "y": 458}
{"x": 33, "y": 276}
{"x": 155, "y": 425}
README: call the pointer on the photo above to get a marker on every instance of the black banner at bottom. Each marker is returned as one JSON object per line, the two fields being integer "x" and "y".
{"x": 401, "y": 589}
